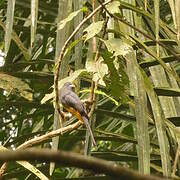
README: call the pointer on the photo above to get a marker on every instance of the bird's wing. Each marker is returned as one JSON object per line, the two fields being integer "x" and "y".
{"x": 72, "y": 100}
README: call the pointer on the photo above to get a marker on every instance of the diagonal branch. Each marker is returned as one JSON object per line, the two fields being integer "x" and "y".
{"x": 42, "y": 138}
{"x": 49, "y": 135}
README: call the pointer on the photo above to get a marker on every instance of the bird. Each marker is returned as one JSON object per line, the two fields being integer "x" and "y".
{"x": 72, "y": 103}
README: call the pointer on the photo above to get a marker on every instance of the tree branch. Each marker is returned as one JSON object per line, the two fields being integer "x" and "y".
{"x": 75, "y": 160}
{"x": 63, "y": 51}
{"x": 42, "y": 138}
{"x": 49, "y": 135}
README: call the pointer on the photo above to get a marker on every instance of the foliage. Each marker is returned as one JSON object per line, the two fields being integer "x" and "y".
{"x": 136, "y": 116}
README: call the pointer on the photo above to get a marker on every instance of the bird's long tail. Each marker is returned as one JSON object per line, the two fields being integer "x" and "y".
{"x": 89, "y": 129}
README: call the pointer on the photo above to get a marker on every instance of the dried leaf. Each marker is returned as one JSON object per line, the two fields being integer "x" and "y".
{"x": 15, "y": 85}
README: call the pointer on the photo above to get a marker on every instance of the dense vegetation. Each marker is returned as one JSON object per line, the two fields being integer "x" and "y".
{"x": 123, "y": 59}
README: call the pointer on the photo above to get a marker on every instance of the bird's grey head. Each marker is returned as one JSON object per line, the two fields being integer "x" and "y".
{"x": 70, "y": 86}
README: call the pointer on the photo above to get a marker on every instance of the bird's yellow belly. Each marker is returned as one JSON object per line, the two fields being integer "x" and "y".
{"x": 76, "y": 113}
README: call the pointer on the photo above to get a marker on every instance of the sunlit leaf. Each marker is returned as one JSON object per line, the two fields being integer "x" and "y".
{"x": 70, "y": 78}
{"x": 98, "y": 68}
{"x": 101, "y": 93}
{"x": 117, "y": 47}
{"x": 93, "y": 29}
{"x": 113, "y": 7}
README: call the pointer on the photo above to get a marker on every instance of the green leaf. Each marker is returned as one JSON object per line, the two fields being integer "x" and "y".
{"x": 72, "y": 45}
{"x": 140, "y": 100}
{"x": 160, "y": 125}
{"x": 152, "y": 62}
{"x": 93, "y": 29}
{"x": 118, "y": 78}
{"x": 166, "y": 91}
{"x": 150, "y": 52}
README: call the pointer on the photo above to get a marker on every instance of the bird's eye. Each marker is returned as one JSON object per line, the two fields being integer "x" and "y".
{"x": 73, "y": 88}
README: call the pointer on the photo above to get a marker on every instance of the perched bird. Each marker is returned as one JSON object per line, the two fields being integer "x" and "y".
{"x": 72, "y": 103}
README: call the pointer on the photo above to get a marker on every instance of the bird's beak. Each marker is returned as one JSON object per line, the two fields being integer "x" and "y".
{"x": 72, "y": 85}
